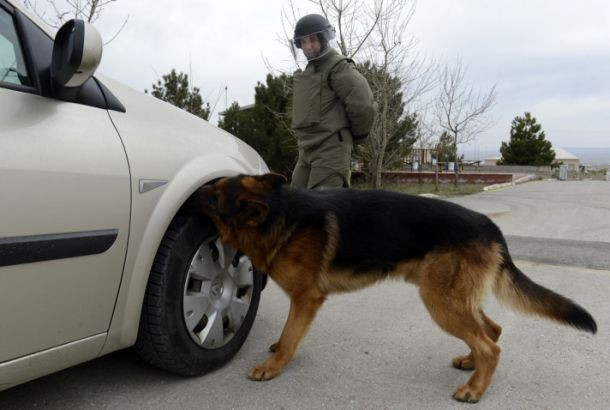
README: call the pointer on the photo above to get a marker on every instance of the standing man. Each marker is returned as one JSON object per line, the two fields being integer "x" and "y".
{"x": 332, "y": 107}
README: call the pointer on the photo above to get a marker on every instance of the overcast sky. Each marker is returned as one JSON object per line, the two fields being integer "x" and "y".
{"x": 551, "y": 58}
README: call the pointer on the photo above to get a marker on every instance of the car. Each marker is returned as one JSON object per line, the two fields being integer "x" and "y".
{"x": 102, "y": 244}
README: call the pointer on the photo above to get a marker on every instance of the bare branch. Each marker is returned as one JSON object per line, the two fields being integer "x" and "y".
{"x": 88, "y": 10}
{"x": 460, "y": 110}
{"x": 118, "y": 31}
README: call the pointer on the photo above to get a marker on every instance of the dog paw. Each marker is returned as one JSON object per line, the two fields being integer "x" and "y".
{"x": 273, "y": 347}
{"x": 463, "y": 362}
{"x": 467, "y": 394}
{"x": 263, "y": 372}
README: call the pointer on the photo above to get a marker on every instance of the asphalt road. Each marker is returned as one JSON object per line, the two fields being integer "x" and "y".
{"x": 378, "y": 348}
{"x": 573, "y": 210}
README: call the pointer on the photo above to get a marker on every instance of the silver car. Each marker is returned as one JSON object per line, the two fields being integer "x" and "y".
{"x": 102, "y": 245}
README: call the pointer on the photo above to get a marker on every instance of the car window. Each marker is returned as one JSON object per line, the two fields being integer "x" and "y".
{"x": 12, "y": 64}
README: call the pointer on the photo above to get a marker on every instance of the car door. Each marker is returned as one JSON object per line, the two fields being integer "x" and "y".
{"x": 64, "y": 211}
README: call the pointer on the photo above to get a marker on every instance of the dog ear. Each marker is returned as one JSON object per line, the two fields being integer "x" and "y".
{"x": 272, "y": 180}
{"x": 253, "y": 214}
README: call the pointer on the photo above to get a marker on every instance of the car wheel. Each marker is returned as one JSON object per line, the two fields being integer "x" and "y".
{"x": 200, "y": 302}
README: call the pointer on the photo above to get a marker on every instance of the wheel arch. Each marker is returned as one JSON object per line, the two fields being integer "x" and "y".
{"x": 175, "y": 198}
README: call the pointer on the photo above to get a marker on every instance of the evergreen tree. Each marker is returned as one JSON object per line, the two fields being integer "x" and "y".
{"x": 266, "y": 125}
{"x": 175, "y": 90}
{"x": 527, "y": 145}
{"x": 394, "y": 130}
{"x": 445, "y": 149}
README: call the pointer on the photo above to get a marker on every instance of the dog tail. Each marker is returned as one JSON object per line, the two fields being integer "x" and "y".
{"x": 519, "y": 292}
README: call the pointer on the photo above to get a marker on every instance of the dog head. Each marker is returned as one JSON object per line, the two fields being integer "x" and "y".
{"x": 241, "y": 202}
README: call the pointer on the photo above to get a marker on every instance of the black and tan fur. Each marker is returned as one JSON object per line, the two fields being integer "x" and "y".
{"x": 315, "y": 243}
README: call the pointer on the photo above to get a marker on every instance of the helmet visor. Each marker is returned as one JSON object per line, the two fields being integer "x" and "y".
{"x": 315, "y": 45}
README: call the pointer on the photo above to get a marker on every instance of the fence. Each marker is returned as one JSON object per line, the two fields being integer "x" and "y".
{"x": 543, "y": 172}
{"x": 443, "y": 177}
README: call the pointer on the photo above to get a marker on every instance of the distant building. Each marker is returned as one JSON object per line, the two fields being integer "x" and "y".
{"x": 421, "y": 155}
{"x": 569, "y": 159}
{"x": 491, "y": 161}
{"x": 241, "y": 108}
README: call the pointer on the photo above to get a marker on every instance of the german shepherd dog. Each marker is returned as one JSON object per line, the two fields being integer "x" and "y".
{"x": 315, "y": 243}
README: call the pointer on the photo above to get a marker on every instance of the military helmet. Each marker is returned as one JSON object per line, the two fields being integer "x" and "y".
{"x": 314, "y": 24}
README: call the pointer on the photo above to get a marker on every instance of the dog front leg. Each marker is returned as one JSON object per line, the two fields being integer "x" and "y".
{"x": 303, "y": 309}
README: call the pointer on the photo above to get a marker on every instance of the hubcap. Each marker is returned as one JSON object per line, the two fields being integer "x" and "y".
{"x": 217, "y": 288}
{"x": 217, "y": 293}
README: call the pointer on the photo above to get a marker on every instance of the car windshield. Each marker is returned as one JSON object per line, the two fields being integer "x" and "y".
{"x": 12, "y": 66}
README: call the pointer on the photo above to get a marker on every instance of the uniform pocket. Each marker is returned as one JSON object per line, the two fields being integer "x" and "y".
{"x": 306, "y": 101}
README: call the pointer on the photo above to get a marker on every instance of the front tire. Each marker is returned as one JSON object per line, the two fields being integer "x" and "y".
{"x": 200, "y": 301}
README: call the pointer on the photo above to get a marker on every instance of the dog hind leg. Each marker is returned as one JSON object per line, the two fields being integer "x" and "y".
{"x": 456, "y": 317}
{"x": 492, "y": 329}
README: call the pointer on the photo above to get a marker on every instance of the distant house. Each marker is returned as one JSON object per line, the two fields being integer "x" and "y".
{"x": 241, "y": 108}
{"x": 421, "y": 155}
{"x": 569, "y": 159}
{"x": 491, "y": 161}
{"x": 561, "y": 155}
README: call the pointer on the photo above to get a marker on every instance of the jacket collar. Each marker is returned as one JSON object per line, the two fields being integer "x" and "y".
{"x": 318, "y": 63}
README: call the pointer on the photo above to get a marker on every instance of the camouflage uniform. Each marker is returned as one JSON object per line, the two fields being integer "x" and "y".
{"x": 332, "y": 106}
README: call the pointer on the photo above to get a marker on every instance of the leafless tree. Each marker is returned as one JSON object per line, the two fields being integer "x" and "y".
{"x": 460, "y": 109}
{"x": 63, "y": 10}
{"x": 375, "y": 153}
{"x": 380, "y": 36}
{"x": 426, "y": 140}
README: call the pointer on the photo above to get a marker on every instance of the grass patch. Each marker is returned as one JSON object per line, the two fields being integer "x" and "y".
{"x": 445, "y": 190}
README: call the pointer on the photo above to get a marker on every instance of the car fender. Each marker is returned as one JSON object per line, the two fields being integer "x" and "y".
{"x": 123, "y": 329}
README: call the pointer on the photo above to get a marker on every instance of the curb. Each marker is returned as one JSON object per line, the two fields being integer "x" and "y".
{"x": 521, "y": 180}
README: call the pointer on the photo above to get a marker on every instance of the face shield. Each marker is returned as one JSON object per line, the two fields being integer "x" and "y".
{"x": 313, "y": 46}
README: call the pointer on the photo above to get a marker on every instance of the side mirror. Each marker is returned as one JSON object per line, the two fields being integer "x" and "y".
{"x": 77, "y": 52}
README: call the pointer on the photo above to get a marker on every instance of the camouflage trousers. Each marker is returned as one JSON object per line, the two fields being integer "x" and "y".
{"x": 326, "y": 165}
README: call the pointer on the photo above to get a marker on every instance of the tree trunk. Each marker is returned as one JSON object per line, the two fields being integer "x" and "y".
{"x": 377, "y": 173}
{"x": 420, "y": 163}
{"x": 456, "y": 168}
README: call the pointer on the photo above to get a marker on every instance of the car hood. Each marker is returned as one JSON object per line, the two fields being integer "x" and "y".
{"x": 160, "y": 138}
